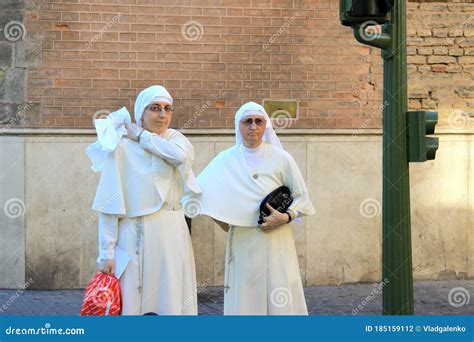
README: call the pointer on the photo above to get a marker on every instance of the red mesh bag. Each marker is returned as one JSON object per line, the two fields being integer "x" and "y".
{"x": 102, "y": 297}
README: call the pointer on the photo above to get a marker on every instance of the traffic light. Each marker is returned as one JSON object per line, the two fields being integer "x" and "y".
{"x": 356, "y": 12}
{"x": 420, "y": 147}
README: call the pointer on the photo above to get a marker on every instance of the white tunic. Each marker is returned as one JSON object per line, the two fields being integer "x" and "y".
{"x": 140, "y": 212}
{"x": 262, "y": 275}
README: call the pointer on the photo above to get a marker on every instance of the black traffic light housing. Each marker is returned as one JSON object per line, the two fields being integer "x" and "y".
{"x": 420, "y": 146}
{"x": 356, "y": 12}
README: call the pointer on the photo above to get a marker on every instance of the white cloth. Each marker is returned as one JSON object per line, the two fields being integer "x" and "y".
{"x": 239, "y": 204}
{"x": 108, "y": 235}
{"x": 262, "y": 275}
{"x": 160, "y": 276}
{"x": 147, "y": 96}
{"x": 252, "y": 108}
{"x": 111, "y": 129}
{"x": 109, "y": 133}
{"x": 109, "y": 224}
{"x": 253, "y": 156}
{"x": 136, "y": 179}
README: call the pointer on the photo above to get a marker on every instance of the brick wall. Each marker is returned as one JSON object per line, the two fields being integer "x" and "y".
{"x": 441, "y": 60}
{"x": 88, "y": 57}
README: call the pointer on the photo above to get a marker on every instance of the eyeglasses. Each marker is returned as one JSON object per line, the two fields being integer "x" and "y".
{"x": 249, "y": 121}
{"x": 158, "y": 109}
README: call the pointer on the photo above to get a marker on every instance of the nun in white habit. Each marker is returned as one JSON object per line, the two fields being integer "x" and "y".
{"x": 262, "y": 275}
{"x": 145, "y": 170}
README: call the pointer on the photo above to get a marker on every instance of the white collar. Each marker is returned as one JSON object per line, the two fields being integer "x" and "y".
{"x": 257, "y": 149}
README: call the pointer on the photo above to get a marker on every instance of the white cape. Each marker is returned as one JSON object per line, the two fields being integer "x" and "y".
{"x": 230, "y": 193}
{"x": 135, "y": 182}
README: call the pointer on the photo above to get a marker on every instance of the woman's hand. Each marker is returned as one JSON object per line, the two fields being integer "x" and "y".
{"x": 107, "y": 266}
{"x": 133, "y": 130}
{"x": 274, "y": 220}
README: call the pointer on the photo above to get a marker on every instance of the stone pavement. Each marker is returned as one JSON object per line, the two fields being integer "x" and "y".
{"x": 448, "y": 297}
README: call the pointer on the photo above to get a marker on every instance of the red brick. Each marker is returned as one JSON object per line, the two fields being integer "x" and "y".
{"x": 72, "y": 83}
{"x": 111, "y": 83}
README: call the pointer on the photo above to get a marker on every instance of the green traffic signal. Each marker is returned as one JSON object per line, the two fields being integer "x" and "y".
{"x": 420, "y": 147}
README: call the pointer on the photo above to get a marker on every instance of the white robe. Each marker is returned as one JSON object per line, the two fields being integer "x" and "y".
{"x": 262, "y": 275}
{"x": 138, "y": 199}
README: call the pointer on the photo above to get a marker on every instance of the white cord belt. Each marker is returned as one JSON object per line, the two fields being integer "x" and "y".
{"x": 231, "y": 256}
{"x": 139, "y": 228}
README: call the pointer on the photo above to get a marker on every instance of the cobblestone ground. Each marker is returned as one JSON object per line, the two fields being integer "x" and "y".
{"x": 451, "y": 297}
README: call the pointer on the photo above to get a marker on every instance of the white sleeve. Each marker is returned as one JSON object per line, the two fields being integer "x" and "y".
{"x": 295, "y": 181}
{"x": 163, "y": 148}
{"x": 108, "y": 235}
{"x": 295, "y": 212}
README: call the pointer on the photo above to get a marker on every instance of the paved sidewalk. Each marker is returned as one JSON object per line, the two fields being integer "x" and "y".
{"x": 431, "y": 298}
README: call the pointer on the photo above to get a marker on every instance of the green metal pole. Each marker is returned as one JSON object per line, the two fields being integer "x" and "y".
{"x": 396, "y": 228}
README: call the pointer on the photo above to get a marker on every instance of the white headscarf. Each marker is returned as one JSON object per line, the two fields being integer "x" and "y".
{"x": 148, "y": 96}
{"x": 252, "y": 108}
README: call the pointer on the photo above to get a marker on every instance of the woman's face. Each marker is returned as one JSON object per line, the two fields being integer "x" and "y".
{"x": 157, "y": 117}
{"x": 252, "y": 128}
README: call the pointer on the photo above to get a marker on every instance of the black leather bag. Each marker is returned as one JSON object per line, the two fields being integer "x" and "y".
{"x": 279, "y": 199}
